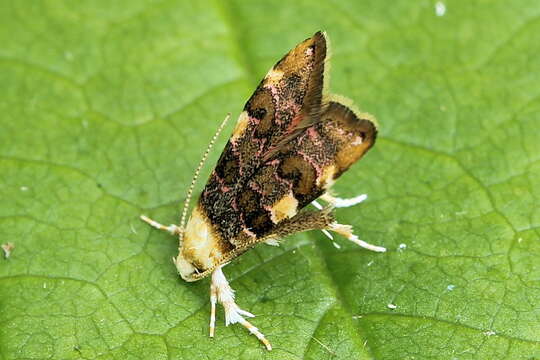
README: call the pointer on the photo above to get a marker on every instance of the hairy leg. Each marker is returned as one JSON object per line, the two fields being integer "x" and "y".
{"x": 321, "y": 220}
{"x": 221, "y": 291}
{"x": 346, "y": 231}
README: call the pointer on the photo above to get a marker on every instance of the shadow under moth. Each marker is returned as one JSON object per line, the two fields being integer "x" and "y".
{"x": 290, "y": 143}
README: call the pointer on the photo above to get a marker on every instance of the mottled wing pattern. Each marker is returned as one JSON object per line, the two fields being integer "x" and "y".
{"x": 305, "y": 167}
{"x": 286, "y": 100}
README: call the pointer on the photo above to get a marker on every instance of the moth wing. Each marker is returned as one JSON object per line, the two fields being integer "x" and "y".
{"x": 287, "y": 148}
{"x": 288, "y": 98}
{"x": 298, "y": 80}
{"x": 304, "y": 168}
{"x": 353, "y": 132}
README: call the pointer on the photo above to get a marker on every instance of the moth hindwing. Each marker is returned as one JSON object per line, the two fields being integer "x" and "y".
{"x": 289, "y": 145}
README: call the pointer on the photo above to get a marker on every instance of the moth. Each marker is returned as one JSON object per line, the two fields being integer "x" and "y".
{"x": 290, "y": 143}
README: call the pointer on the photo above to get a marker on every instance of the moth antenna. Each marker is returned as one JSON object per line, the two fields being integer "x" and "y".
{"x": 196, "y": 175}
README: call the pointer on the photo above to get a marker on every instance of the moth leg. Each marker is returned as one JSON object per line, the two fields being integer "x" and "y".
{"x": 213, "y": 301}
{"x": 172, "y": 229}
{"x": 317, "y": 204}
{"x": 346, "y": 231}
{"x": 321, "y": 220}
{"x": 339, "y": 202}
{"x": 303, "y": 221}
{"x": 233, "y": 314}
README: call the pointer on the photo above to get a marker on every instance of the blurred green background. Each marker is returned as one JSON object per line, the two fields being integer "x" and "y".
{"x": 107, "y": 106}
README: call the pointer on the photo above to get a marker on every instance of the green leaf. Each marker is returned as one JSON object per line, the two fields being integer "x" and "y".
{"x": 106, "y": 107}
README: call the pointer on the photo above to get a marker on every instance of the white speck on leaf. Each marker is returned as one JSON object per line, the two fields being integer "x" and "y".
{"x": 402, "y": 247}
{"x": 450, "y": 287}
{"x": 520, "y": 240}
{"x": 7, "y": 247}
{"x": 489, "y": 333}
{"x": 440, "y": 8}
{"x": 370, "y": 263}
{"x": 336, "y": 245}
{"x": 392, "y": 306}
{"x": 24, "y": 188}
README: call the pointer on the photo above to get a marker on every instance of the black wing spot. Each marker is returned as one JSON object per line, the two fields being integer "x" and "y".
{"x": 258, "y": 113}
{"x": 227, "y": 167}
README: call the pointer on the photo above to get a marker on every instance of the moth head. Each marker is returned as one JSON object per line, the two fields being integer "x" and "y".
{"x": 185, "y": 268}
{"x": 199, "y": 248}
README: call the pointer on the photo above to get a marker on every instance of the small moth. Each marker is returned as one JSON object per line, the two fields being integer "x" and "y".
{"x": 290, "y": 143}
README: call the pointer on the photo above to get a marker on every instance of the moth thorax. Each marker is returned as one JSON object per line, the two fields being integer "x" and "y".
{"x": 199, "y": 251}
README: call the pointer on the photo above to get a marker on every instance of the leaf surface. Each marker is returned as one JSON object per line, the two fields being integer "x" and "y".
{"x": 106, "y": 107}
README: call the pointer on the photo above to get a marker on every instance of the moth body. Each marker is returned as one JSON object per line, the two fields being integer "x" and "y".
{"x": 291, "y": 142}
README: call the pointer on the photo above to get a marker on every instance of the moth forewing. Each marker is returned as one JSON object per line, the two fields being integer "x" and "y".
{"x": 290, "y": 144}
